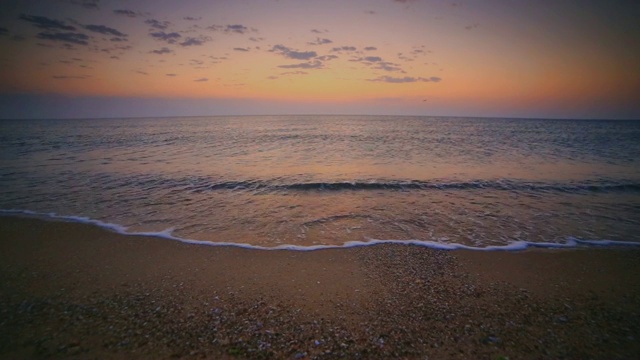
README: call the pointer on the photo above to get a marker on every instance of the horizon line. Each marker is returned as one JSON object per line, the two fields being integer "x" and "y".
{"x": 320, "y": 115}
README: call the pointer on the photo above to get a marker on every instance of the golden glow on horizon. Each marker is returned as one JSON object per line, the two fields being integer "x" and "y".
{"x": 288, "y": 51}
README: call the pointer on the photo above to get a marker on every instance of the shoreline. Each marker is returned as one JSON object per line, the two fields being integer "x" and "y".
{"x": 521, "y": 245}
{"x": 77, "y": 290}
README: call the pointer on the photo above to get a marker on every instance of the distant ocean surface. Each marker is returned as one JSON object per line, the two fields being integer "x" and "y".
{"x": 307, "y": 182}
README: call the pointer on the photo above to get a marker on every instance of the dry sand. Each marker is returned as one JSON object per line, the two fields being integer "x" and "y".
{"x": 77, "y": 291}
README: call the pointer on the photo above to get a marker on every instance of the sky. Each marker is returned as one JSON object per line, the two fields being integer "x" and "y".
{"x": 490, "y": 58}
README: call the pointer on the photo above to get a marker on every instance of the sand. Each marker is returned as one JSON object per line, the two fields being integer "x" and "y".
{"x": 71, "y": 290}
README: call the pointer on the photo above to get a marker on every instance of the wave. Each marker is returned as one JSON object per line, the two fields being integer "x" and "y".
{"x": 167, "y": 234}
{"x": 508, "y": 185}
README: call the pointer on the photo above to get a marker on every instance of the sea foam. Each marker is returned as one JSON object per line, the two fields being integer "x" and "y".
{"x": 167, "y": 234}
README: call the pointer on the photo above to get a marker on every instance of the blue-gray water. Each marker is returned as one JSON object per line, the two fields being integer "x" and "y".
{"x": 327, "y": 180}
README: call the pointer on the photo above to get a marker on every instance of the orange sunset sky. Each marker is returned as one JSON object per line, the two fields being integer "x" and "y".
{"x": 82, "y": 58}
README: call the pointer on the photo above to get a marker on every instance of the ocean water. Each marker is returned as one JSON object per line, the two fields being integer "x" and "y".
{"x": 307, "y": 182}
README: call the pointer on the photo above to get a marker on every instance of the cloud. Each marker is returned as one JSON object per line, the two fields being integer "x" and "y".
{"x": 406, "y": 79}
{"x": 157, "y": 24}
{"x": 326, "y": 57}
{"x": 236, "y": 28}
{"x": 117, "y": 39}
{"x": 272, "y": 77}
{"x": 124, "y": 12}
{"x": 105, "y": 30}
{"x": 141, "y": 72}
{"x": 376, "y": 62}
{"x": 46, "y": 23}
{"x": 116, "y": 47}
{"x": 4, "y": 31}
{"x": 293, "y": 54}
{"x": 191, "y": 41}
{"x": 231, "y": 29}
{"x": 192, "y": 18}
{"x": 241, "y": 49}
{"x": 256, "y": 39}
{"x": 344, "y": 48}
{"x": 370, "y": 48}
{"x": 68, "y": 77}
{"x": 404, "y": 58}
{"x": 161, "y": 51}
{"x": 472, "y": 26}
{"x": 168, "y": 37}
{"x": 171, "y": 75}
{"x": 387, "y": 66}
{"x": 216, "y": 59}
{"x": 320, "y": 41}
{"x": 201, "y": 80}
{"x": 369, "y": 12}
{"x": 87, "y": 4}
{"x": 307, "y": 65}
{"x": 294, "y": 73}
{"x": 70, "y": 38}
{"x": 316, "y": 31}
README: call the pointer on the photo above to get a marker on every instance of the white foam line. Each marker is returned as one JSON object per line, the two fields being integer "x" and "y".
{"x": 570, "y": 243}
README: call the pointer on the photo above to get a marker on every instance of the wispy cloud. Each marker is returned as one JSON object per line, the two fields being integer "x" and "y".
{"x": 307, "y": 65}
{"x": 403, "y": 57}
{"x": 236, "y": 28}
{"x": 387, "y": 66}
{"x": 87, "y": 4}
{"x": 171, "y": 75}
{"x": 326, "y": 57}
{"x": 299, "y": 72}
{"x": 105, "y": 30}
{"x": 70, "y": 38}
{"x": 377, "y": 63}
{"x": 124, "y": 12}
{"x": 344, "y": 48}
{"x": 370, "y": 48}
{"x": 320, "y": 41}
{"x": 201, "y": 80}
{"x": 293, "y": 54}
{"x": 142, "y": 72}
{"x": 46, "y": 23}
{"x": 241, "y": 49}
{"x": 4, "y": 31}
{"x": 70, "y": 77}
{"x": 192, "y": 18}
{"x": 406, "y": 79}
{"x": 192, "y": 41}
{"x": 161, "y": 51}
{"x": 157, "y": 24}
{"x": 171, "y": 38}
{"x": 231, "y": 29}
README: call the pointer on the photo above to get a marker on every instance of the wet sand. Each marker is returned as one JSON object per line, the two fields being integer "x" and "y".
{"x": 77, "y": 291}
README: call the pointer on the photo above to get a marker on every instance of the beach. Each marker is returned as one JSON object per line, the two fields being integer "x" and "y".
{"x": 70, "y": 290}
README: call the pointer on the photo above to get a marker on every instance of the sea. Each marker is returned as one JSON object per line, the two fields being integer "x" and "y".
{"x": 313, "y": 182}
